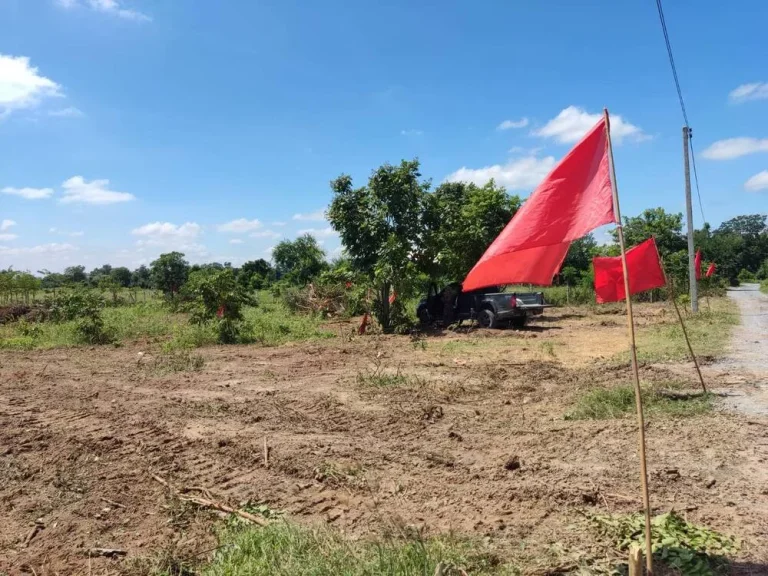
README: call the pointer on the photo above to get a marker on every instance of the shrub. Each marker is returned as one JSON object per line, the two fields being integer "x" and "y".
{"x": 218, "y": 299}
{"x": 745, "y": 276}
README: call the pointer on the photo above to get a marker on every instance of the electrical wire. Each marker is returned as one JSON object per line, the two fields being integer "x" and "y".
{"x": 682, "y": 102}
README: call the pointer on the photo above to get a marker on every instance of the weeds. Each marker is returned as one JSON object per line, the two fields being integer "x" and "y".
{"x": 335, "y": 474}
{"x": 177, "y": 361}
{"x": 378, "y": 377}
{"x": 285, "y": 549}
{"x": 690, "y": 550}
{"x": 618, "y": 402}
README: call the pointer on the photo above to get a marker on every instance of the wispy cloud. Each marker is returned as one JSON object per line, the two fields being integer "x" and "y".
{"x": 170, "y": 236}
{"x": 735, "y": 148}
{"x": 240, "y": 225}
{"x": 753, "y": 91}
{"x": 69, "y": 112}
{"x": 265, "y": 234}
{"x": 510, "y": 124}
{"x": 517, "y": 174}
{"x": 7, "y": 224}
{"x": 316, "y": 216}
{"x": 412, "y": 132}
{"x": 28, "y": 193}
{"x": 235, "y": 241}
{"x": 572, "y": 123}
{"x": 319, "y": 232}
{"x": 52, "y": 248}
{"x": 7, "y": 236}
{"x": 22, "y": 86}
{"x": 758, "y": 182}
{"x": 78, "y": 190}
{"x": 112, "y": 7}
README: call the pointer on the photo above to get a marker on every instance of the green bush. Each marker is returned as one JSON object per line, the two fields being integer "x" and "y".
{"x": 218, "y": 299}
{"x": 746, "y": 277}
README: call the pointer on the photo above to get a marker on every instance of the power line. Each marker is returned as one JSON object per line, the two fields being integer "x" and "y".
{"x": 682, "y": 102}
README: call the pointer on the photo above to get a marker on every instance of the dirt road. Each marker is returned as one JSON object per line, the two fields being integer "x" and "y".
{"x": 748, "y": 355}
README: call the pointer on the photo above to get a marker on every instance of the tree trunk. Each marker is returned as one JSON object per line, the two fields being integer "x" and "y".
{"x": 384, "y": 309}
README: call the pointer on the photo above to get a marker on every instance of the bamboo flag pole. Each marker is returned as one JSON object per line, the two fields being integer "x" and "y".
{"x": 671, "y": 286}
{"x": 633, "y": 353}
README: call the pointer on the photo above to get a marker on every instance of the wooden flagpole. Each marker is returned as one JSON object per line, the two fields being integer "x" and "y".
{"x": 633, "y": 353}
{"x": 671, "y": 287}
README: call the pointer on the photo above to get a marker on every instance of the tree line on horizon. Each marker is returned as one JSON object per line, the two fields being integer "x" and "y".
{"x": 398, "y": 235}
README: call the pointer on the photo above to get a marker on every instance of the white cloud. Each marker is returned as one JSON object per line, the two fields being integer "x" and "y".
{"x": 169, "y": 236}
{"x": 168, "y": 230}
{"x": 517, "y": 174}
{"x": 112, "y": 7}
{"x": 573, "y": 122}
{"x": 278, "y": 224}
{"x": 265, "y": 234}
{"x": 318, "y": 232}
{"x": 52, "y": 248}
{"x": 70, "y": 112}
{"x": 21, "y": 86}
{"x": 758, "y": 182}
{"x": 6, "y": 224}
{"x": 753, "y": 91}
{"x": 735, "y": 147}
{"x": 8, "y": 237}
{"x": 76, "y": 234}
{"x": 240, "y": 225}
{"x": 77, "y": 189}
{"x": 316, "y": 216}
{"x": 509, "y": 124}
{"x": 28, "y": 193}
{"x": 235, "y": 241}
{"x": 412, "y": 132}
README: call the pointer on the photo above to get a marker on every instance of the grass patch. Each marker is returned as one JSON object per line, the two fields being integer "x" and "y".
{"x": 177, "y": 361}
{"x": 285, "y": 549}
{"x": 764, "y": 286}
{"x": 709, "y": 331}
{"x": 619, "y": 402}
{"x": 686, "y": 548}
{"x": 378, "y": 377}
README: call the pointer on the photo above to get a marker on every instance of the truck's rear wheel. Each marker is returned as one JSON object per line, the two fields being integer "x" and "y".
{"x": 486, "y": 318}
{"x": 519, "y": 322}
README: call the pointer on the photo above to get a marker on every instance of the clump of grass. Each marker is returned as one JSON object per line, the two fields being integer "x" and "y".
{"x": 619, "y": 402}
{"x": 378, "y": 377}
{"x": 177, "y": 361}
{"x": 709, "y": 331}
{"x": 686, "y": 548}
{"x": 338, "y": 474}
{"x": 285, "y": 549}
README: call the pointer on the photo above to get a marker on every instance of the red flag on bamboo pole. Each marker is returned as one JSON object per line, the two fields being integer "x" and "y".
{"x": 574, "y": 199}
{"x": 697, "y": 264}
{"x": 645, "y": 273}
{"x": 711, "y": 270}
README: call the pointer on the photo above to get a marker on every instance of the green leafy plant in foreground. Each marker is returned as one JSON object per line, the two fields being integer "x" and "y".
{"x": 690, "y": 549}
{"x": 619, "y": 402}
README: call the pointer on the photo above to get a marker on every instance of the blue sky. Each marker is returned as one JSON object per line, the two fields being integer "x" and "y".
{"x": 133, "y": 127}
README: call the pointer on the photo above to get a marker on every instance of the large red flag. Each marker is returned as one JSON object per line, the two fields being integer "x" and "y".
{"x": 644, "y": 268}
{"x": 697, "y": 264}
{"x": 574, "y": 199}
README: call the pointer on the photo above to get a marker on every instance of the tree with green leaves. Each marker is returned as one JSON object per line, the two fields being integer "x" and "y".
{"x": 460, "y": 221}
{"x": 299, "y": 261}
{"x": 141, "y": 277}
{"x": 75, "y": 275}
{"x": 381, "y": 228}
{"x": 169, "y": 272}
{"x": 122, "y": 276}
{"x": 256, "y": 274}
{"x": 218, "y": 298}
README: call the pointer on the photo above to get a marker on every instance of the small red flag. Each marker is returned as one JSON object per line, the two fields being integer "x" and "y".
{"x": 574, "y": 199}
{"x": 644, "y": 268}
{"x": 220, "y": 312}
{"x": 711, "y": 270}
{"x": 392, "y": 297}
{"x": 697, "y": 264}
{"x": 363, "y": 324}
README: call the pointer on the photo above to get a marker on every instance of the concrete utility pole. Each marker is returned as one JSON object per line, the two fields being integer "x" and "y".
{"x": 689, "y": 216}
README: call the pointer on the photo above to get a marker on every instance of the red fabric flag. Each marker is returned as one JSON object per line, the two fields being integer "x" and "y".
{"x": 574, "y": 199}
{"x": 711, "y": 270}
{"x": 697, "y": 264}
{"x": 392, "y": 297}
{"x": 644, "y": 268}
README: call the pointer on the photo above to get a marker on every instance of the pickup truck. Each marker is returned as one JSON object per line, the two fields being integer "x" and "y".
{"x": 490, "y": 307}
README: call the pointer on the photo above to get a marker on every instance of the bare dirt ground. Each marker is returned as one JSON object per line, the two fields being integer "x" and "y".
{"x": 82, "y": 430}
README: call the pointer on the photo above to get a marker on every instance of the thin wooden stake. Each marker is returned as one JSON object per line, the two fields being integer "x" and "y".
{"x": 635, "y": 561}
{"x": 687, "y": 340}
{"x": 266, "y": 453}
{"x": 633, "y": 354}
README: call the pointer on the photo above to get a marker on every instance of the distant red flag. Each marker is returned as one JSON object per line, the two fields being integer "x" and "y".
{"x": 644, "y": 268}
{"x": 697, "y": 264}
{"x": 574, "y": 199}
{"x": 711, "y": 270}
{"x": 392, "y": 297}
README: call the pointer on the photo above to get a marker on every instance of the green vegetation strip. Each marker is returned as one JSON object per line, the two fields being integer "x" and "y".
{"x": 285, "y": 549}
{"x": 619, "y": 402}
{"x": 687, "y": 549}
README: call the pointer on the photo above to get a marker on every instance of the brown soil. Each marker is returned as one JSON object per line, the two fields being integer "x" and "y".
{"x": 82, "y": 430}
